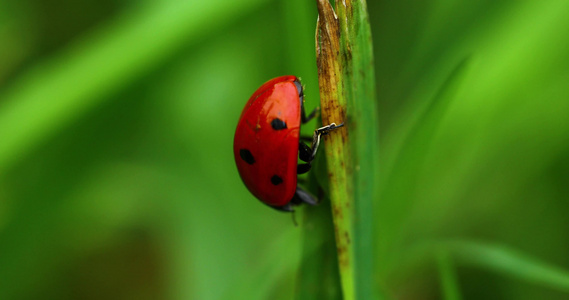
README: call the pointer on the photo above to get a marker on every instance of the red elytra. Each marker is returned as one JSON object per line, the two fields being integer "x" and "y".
{"x": 266, "y": 145}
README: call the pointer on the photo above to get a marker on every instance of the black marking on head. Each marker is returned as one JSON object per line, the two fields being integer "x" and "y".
{"x": 278, "y": 124}
{"x": 247, "y": 156}
{"x": 276, "y": 180}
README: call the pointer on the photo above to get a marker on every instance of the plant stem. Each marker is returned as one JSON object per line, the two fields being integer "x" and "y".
{"x": 347, "y": 94}
{"x": 333, "y": 108}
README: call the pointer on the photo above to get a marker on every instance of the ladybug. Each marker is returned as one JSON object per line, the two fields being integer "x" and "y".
{"x": 267, "y": 143}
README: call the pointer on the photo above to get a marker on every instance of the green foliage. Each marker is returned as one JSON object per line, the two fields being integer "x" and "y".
{"x": 117, "y": 178}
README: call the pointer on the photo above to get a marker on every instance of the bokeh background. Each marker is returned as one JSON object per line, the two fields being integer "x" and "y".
{"x": 117, "y": 179}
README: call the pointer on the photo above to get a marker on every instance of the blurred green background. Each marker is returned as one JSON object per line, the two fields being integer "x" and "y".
{"x": 117, "y": 179}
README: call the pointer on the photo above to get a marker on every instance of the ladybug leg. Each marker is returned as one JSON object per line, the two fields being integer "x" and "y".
{"x": 305, "y": 118}
{"x": 285, "y": 208}
{"x": 302, "y": 196}
{"x": 303, "y": 168}
{"x": 318, "y": 133}
{"x": 306, "y": 153}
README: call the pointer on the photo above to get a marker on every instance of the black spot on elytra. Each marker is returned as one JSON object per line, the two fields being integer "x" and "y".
{"x": 247, "y": 156}
{"x": 278, "y": 124}
{"x": 276, "y": 180}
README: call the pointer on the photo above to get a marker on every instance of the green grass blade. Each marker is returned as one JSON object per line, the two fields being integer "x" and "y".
{"x": 347, "y": 90}
{"x": 449, "y": 282}
{"x": 318, "y": 276}
{"x": 333, "y": 108}
{"x": 363, "y": 126}
{"x": 403, "y": 169}
{"x": 510, "y": 262}
{"x": 496, "y": 258}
